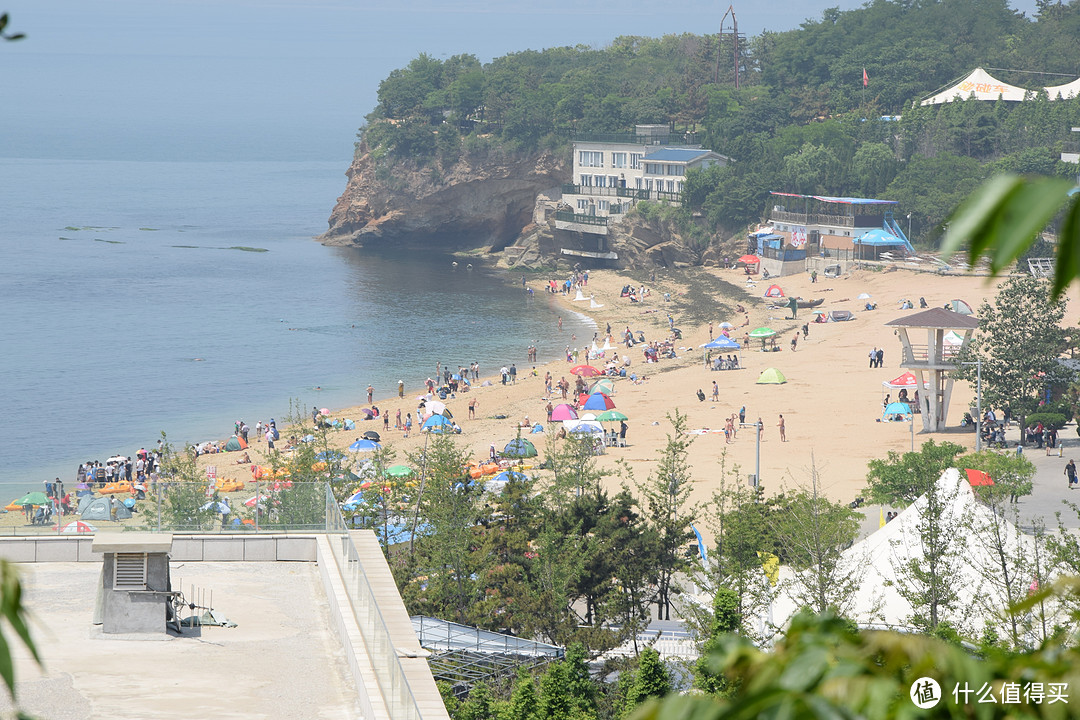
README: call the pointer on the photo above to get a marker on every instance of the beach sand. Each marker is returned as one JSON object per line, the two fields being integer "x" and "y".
{"x": 831, "y": 401}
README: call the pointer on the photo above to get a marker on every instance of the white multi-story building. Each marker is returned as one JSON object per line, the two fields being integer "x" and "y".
{"x": 610, "y": 175}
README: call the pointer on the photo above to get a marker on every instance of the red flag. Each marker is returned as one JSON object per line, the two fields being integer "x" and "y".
{"x": 865, "y": 80}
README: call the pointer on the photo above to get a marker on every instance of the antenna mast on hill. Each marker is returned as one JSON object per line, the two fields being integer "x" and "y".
{"x": 735, "y": 38}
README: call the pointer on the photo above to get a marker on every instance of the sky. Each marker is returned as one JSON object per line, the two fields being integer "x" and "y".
{"x": 279, "y": 79}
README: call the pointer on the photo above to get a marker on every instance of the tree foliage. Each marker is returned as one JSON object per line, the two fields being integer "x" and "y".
{"x": 901, "y": 478}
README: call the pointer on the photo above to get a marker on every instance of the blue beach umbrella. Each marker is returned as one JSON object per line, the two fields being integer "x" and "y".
{"x": 364, "y": 446}
{"x": 508, "y": 475}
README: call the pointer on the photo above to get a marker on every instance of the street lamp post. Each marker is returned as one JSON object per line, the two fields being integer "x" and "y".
{"x": 758, "y": 427}
{"x": 978, "y": 402}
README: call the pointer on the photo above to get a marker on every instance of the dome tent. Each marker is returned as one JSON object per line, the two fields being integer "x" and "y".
{"x": 771, "y": 376}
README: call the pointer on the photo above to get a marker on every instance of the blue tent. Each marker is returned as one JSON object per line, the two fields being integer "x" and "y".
{"x": 897, "y": 411}
{"x": 437, "y": 423}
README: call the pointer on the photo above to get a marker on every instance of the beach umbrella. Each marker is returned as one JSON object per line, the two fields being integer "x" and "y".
{"x": 749, "y": 259}
{"x": 585, "y": 371}
{"x": 604, "y": 385}
{"x": 486, "y": 383}
{"x": 357, "y": 498}
{"x": 772, "y": 376}
{"x": 563, "y": 411}
{"x": 82, "y": 486}
{"x": 250, "y": 502}
{"x": 324, "y": 411}
{"x": 726, "y": 326}
{"x": 398, "y": 471}
{"x": 611, "y": 416}
{"x": 218, "y": 507}
{"x": 75, "y": 527}
{"x": 34, "y": 498}
{"x": 894, "y": 409}
{"x": 519, "y": 448}
{"x": 371, "y": 435}
{"x": 330, "y": 455}
{"x": 819, "y": 312}
{"x": 508, "y": 475}
{"x": 308, "y": 438}
{"x": 599, "y": 401}
{"x": 437, "y": 407}
{"x": 762, "y": 333}
{"x": 364, "y": 446}
{"x": 863, "y": 296}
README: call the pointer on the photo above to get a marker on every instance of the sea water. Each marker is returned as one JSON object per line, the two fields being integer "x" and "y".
{"x": 141, "y": 297}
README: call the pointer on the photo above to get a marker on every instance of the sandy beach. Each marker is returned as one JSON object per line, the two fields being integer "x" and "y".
{"x": 831, "y": 401}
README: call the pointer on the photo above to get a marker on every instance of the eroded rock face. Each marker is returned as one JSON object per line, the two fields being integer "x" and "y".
{"x": 475, "y": 204}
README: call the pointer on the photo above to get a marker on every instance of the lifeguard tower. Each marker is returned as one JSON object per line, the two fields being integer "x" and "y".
{"x": 931, "y": 362}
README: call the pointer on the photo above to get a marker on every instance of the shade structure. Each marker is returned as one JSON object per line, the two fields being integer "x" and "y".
{"x": 34, "y": 498}
{"x": 749, "y": 259}
{"x": 723, "y": 343}
{"x": 564, "y": 411}
{"x": 762, "y": 333}
{"x": 896, "y": 410}
{"x": 585, "y": 371}
{"x": 353, "y": 501}
{"x": 519, "y": 448}
{"x": 726, "y": 326}
{"x": 772, "y": 376}
{"x": 907, "y": 381}
{"x": 364, "y": 446}
{"x": 863, "y": 296}
{"x": 437, "y": 424}
{"x": 611, "y": 416}
{"x": 398, "y": 471}
{"x": 437, "y": 407}
{"x": 604, "y": 385}
{"x": 76, "y": 527}
{"x": 774, "y": 291}
{"x": 599, "y": 401}
{"x": 978, "y": 477}
{"x": 584, "y": 427}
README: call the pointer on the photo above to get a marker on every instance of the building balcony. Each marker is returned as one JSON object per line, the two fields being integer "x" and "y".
{"x": 811, "y": 219}
{"x": 594, "y": 224}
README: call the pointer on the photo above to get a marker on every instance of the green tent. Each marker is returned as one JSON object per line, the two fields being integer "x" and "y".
{"x": 772, "y": 376}
{"x": 398, "y": 471}
{"x": 233, "y": 445}
{"x": 34, "y": 498}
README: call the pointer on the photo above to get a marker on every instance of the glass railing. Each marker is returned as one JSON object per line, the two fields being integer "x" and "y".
{"x": 231, "y": 507}
{"x": 398, "y": 695}
{"x": 583, "y": 219}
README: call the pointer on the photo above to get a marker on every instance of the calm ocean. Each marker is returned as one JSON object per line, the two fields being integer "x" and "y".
{"x": 134, "y": 301}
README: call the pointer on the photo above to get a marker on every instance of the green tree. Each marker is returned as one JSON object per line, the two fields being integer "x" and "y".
{"x": 666, "y": 497}
{"x": 1018, "y": 343}
{"x": 901, "y": 478}
{"x": 183, "y": 490}
{"x": 872, "y": 169}
{"x": 651, "y": 679}
{"x": 725, "y": 620}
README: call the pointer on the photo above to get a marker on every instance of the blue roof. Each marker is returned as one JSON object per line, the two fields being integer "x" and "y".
{"x": 685, "y": 155}
{"x": 878, "y": 237}
{"x": 841, "y": 200}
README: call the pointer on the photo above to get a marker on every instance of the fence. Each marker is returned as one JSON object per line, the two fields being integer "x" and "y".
{"x": 398, "y": 695}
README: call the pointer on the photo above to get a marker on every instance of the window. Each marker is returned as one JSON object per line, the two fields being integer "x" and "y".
{"x": 586, "y": 180}
{"x": 602, "y": 204}
{"x": 670, "y": 185}
{"x": 635, "y": 161}
{"x": 618, "y": 160}
{"x": 601, "y": 181}
{"x": 654, "y": 169}
{"x": 129, "y": 571}
{"x": 582, "y": 204}
{"x": 590, "y": 158}
{"x": 637, "y": 183}
{"x": 612, "y": 181}
{"x": 648, "y": 183}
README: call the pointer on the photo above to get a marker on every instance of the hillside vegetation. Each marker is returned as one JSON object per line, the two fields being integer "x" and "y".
{"x": 801, "y": 120}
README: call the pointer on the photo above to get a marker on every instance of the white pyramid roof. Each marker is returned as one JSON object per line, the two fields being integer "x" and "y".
{"x": 979, "y": 84}
{"x": 1064, "y": 92}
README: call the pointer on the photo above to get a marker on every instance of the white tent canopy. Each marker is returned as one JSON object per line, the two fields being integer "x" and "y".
{"x": 1064, "y": 92}
{"x": 978, "y": 84}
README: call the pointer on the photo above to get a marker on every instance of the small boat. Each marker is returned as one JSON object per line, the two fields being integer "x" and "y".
{"x": 809, "y": 303}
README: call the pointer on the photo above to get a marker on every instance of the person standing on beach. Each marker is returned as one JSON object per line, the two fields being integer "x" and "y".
{"x": 742, "y": 415}
{"x": 760, "y": 428}
{"x": 550, "y": 409}
{"x": 783, "y": 429}
{"x": 560, "y": 322}
{"x": 715, "y": 392}
{"x": 408, "y": 423}
{"x": 710, "y": 331}
{"x": 314, "y": 415}
{"x": 269, "y": 437}
{"x": 794, "y": 341}
{"x": 386, "y": 422}
{"x": 1070, "y": 472}
{"x": 397, "y": 420}
{"x": 370, "y": 393}
{"x": 472, "y": 409}
{"x": 880, "y": 357}
{"x": 873, "y": 357}
{"x": 513, "y": 374}
{"x": 401, "y": 388}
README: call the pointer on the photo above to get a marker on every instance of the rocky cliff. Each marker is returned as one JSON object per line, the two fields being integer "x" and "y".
{"x": 474, "y": 203}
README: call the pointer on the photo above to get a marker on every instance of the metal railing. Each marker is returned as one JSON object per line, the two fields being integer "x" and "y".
{"x": 635, "y": 139}
{"x": 582, "y": 219}
{"x": 390, "y": 675}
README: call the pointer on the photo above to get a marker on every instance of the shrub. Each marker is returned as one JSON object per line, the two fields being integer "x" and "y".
{"x": 1048, "y": 419}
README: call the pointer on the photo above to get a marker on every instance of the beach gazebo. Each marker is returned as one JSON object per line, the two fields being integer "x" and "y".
{"x": 932, "y": 361}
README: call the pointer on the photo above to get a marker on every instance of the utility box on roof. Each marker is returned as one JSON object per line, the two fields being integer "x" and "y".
{"x": 135, "y": 591}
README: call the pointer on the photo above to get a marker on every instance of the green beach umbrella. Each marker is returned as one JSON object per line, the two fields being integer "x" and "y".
{"x": 762, "y": 332}
{"x": 604, "y": 385}
{"x": 611, "y": 416}
{"x": 398, "y": 471}
{"x": 772, "y": 376}
{"x": 34, "y": 498}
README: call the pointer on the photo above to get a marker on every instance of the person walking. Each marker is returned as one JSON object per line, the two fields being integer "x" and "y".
{"x": 715, "y": 392}
{"x": 1070, "y": 472}
{"x": 873, "y": 358}
{"x": 370, "y": 393}
{"x": 783, "y": 429}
